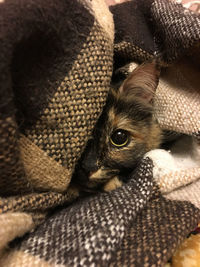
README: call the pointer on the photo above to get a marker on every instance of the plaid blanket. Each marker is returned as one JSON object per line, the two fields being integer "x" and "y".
{"x": 57, "y": 60}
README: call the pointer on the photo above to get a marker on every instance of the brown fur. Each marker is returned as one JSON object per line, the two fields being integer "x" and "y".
{"x": 130, "y": 109}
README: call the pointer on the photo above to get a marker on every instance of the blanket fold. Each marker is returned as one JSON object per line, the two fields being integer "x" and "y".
{"x": 153, "y": 31}
{"x": 57, "y": 62}
{"x": 43, "y": 52}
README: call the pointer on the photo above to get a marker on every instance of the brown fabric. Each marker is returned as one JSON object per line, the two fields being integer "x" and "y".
{"x": 37, "y": 201}
{"x": 52, "y": 92}
{"x": 55, "y": 70}
{"x": 12, "y": 173}
{"x": 42, "y": 171}
{"x": 53, "y": 102}
{"x": 140, "y": 246}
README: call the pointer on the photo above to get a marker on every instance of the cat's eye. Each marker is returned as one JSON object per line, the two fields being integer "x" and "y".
{"x": 119, "y": 138}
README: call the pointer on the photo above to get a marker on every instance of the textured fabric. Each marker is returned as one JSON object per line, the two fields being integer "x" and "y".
{"x": 183, "y": 164}
{"x": 55, "y": 71}
{"x": 190, "y": 193}
{"x": 140, "y": 246}
{"x": 57, "y": 52}
{"x": 184, "y": 88}
{"x": 12, "y": 225}
{"x": 59, "y": 87}
{"x": 103, "y": 218}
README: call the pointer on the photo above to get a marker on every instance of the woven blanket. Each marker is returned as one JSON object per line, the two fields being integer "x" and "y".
{"x": 57, "y": 58}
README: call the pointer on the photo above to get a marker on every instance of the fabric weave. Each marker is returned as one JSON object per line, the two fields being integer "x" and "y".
{"x": 57, "y": 59}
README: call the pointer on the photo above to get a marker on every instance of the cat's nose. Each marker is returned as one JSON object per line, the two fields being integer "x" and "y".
{"x": 89, "y": 161}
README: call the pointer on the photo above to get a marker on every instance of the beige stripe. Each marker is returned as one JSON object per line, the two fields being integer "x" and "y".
{"x": 174, "y": 179}
{"x": 177, "y": 99}
{"x": 42, "y": 171}
{"x": 189, "y": 193}
{"x": 13, "y": 225}
{"x": 104, "y": 17}
{"x": 16, "y": 258}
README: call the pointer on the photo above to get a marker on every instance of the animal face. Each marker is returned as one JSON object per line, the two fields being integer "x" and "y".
{"x": 125, "y": 131}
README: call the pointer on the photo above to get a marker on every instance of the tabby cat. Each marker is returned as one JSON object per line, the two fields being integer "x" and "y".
{"x": 125, "y": 131}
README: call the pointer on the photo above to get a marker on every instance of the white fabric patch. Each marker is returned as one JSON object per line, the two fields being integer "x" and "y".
{"x": 177, "y": 167}
{"x": 104, "y": 17}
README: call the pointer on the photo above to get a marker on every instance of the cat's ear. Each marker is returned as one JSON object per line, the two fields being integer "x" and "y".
{"x": 142, "y": 82}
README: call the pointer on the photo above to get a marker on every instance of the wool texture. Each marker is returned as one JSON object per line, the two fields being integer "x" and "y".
{"x": 57, "y": 59}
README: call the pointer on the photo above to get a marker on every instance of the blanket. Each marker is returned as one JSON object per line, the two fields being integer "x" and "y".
{"x": 57, "y": 61}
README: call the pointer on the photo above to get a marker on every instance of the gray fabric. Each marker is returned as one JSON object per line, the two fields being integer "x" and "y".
{"x": 134, "y": 225}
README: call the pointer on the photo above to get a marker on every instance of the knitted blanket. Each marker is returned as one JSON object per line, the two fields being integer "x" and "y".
{"x": 56, "y": 62}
